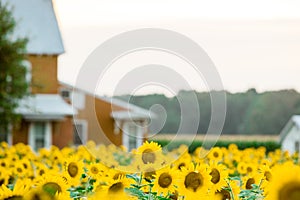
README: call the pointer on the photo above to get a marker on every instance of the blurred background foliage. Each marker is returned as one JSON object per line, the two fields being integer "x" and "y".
{"x": 249, "y": 113}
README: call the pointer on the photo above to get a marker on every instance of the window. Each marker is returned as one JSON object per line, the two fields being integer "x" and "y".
{"x": 297, "y": 145}
{"x": 80, "y": 132}
{"x": 40, "y": 132}
{"x": 132, "y": 133}
{"x": 65, "y": 93}
{"x": 40, "y": 135}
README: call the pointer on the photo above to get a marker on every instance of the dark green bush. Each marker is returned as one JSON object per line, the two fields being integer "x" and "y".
{"x": 270, "y": 145}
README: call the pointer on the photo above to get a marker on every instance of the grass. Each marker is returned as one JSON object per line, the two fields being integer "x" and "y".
{"x": 269, "y": 145}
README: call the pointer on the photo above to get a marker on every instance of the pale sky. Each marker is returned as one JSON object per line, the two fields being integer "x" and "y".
{"x": 252, "y": 43}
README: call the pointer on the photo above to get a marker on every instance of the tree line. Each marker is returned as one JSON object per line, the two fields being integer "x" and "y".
{"x": 247, "y": 112}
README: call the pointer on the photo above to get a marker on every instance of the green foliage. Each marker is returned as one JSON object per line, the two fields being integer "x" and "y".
{"x": 136, "y": 189}
{"x": 123, "y": 158}
{"x": 247, "y": 113}
{"x": 13, "y": 84}
{"x": 255, "y": 193}
{"x": 82, "y": 191}
{"x": 269, "y": 145}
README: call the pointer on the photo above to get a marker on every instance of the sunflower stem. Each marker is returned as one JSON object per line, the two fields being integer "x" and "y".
{"x": 231, "y": 192}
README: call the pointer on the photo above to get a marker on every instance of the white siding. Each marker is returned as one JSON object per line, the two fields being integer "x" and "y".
{"x": 78, "y": 100}
{"x": 288, "y": 144}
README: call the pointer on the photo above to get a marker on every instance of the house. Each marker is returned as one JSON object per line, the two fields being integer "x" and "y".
{"x": 290, "y": 135}
{"x": 46, "y": 118}
{"x": 49, "y": 115}
{"x": 106, "y": 120}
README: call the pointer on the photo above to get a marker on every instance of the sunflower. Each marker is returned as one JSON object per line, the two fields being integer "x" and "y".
{"x": 200, "y": 152}
{"x": 248, "y": 180}
{"x": 21, "y": 187}
{"x": 52, "y": 184}
{"x": 183, "y": 161}
{"x": 266, "y": 172}
{"x": 230, "y": 192}
{"x": 73, "y": 170}
{"x": 215, "y": 154}
{"x": 242, "y": 168}
{"x": 195, "y": 182}
{"x": 41, "y": 169}
{"x": 115, "y": 174}
{"x": 4, "y": 176}
{"x": 38, "y": 194}
{"x": 233, "y": 147}
{"x": 4, "y": 163}
{"x": 223, "y": 194}
{"x": 218, "y": 174}
{"x": 19, "y": 170}
{"x": 115, "y": 189}
{"x": 285, "y": 183}
{"x": 251, "y": 168}
{"x": 149, "y": 171}
{"x": 95, "y": 170}
{"x": 165, "y": 181}
{"x": 150, "y": 152}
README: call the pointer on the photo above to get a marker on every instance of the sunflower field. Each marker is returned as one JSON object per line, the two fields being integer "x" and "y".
{"x": 149, "y": 172}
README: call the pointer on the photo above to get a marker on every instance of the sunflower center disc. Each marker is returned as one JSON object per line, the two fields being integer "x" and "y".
{"x": 116, "y": 187}
{"x": 51, "y": 188}
{"x": 216, "y": 154}
{"x": 14, "y": 198}
{"x": 164, "y": 180}
{"x": 72, "y": 169}
{"x": 150, "y": 173}
{"x": 94, "y": 170}
{"x": 290, "y": 191}
{"x": 268, "y": 175}
{"x": 193, "y": 181}
{"x": 225, "y": 195}
{"x": 215, "y": 175}
{"x": 148, "y": 156}
{"x": 249, "y": 183}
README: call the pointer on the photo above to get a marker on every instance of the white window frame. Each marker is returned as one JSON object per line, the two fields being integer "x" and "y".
{"x": 28, "y": 67}
{"x": 139, "y": 134}
{"x": 84, "y": 136}
{"x": 28, "y": 77}
{"x": 48, "y": 135}
{"x": 8, "y": 135}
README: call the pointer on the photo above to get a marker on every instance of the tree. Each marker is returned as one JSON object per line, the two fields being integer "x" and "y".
{"x": 13, "y": 84}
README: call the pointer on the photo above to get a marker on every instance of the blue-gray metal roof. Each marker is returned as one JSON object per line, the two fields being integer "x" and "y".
{"x": 37, "y": 21}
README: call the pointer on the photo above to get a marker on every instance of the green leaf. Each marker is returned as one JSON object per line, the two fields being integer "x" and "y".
{"x": 134, "y": 177}
{"x": 135, "y": 192}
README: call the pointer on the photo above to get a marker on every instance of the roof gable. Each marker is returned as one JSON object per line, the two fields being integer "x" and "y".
{"x": 130, "y": 111}
{"x": 294, "y": 121}
{"x": 36, "y": 20}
